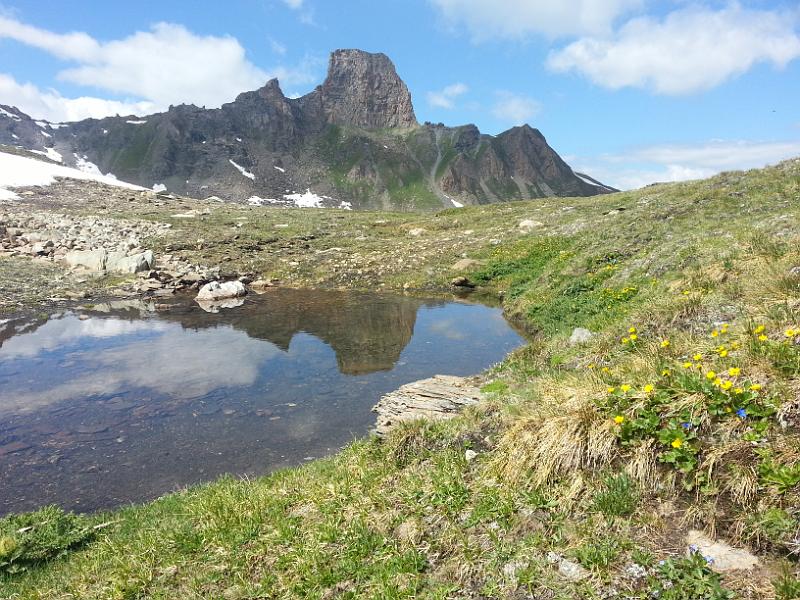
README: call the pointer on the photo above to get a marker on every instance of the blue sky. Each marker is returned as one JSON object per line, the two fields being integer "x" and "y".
{"x": 631, "y": 91}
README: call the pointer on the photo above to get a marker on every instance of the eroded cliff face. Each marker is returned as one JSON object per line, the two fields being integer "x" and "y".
{"x": 354, "y": 142}
{"x": 363, "y": 90}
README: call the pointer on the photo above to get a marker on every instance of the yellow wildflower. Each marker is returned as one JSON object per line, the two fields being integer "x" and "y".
{"x": 762, "y": 338}
{"x": 648, "y": 389}
{"x": 734, "y": 371}
{"x": 790, "y": 333}
{"x": 625, "y": 387}
{"x": 625, "y": 340}
{"x": 710, "y": 375}
{"x": 590, "y": 366}
{"x": 755, "y": 387}
{"x": 665, "y": 343}
{"x": 735, "y": 345}
{"x": 698, "y": 357}
{"x": 611, "y": 390}
{"x": 605, "y": 370}
{"x": 759, "y": 329}
{"x": 632, "y": 330}
{"x": 738, "y": 390}
{"x": 723, "y": 353}
{"x": 718, "y": 382}
{"x": 677, "y": 443}
{"x": 687, "y": 365}
{"x": 714, "y": 333}
{"x": 727, "y": 385}
{"x": 619, "y": 419}
{"x": 686, "y": 292}
{"x": 634, "y": 337}
{"x": 665, "y": 373}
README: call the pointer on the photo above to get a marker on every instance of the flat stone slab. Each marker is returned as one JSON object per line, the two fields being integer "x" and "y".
{"x": 724, "y": 557}
{"x": 440, "y": 397}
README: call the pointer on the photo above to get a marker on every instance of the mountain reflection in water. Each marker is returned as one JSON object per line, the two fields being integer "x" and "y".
{"x": 129, "y": 403}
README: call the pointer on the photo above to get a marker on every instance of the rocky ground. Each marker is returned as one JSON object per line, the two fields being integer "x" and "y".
{"x": 85, "y": 239}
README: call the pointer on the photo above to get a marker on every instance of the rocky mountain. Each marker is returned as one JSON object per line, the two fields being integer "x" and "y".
{"x": 352, "y": 142}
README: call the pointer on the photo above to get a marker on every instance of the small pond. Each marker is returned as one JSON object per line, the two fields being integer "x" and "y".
{"x": 126, "y": 401}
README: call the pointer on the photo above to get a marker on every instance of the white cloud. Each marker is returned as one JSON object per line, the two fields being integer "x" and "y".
{"x": 166, "y": 65}
{"x": 50, "y": 105}
{"x": 680, "y": 162}
{"x": 488, "y": 19}
{"x": 690, "y": 50}
{"x": 515, "y": 109}
{"x": 294, "y": 4}
{"x": 445, "y": 98}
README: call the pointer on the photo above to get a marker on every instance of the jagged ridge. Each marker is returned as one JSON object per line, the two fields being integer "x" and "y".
{"x": 354, "y": 139}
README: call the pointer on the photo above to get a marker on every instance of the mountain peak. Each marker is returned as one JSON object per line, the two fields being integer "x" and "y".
{"x": 363, "y": 89}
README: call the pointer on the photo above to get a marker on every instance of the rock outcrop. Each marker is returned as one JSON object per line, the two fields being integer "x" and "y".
{"x": 353, "y": 142}
{"x": 440, "y": 397}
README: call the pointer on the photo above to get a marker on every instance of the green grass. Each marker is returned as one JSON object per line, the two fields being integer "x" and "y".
{"x": 606, "y": 452}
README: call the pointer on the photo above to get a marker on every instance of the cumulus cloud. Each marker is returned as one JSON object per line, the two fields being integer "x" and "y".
{"x": 487, "y": 19}
{"x": 681, "y": 162}
{"x": 690, "y": 50}
{"x": 445, "y": 98}
{"x": 166, "y": 65}
{"x": 52, "y": 106}
{"x": 515, "y": 109}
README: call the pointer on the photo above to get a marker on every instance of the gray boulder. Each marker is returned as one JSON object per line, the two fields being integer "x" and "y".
{"x": 580, "y": 336}
{"x": 93, "y": 260}
{"x": 217, "y": 290}
{"x": 118, "y": 262}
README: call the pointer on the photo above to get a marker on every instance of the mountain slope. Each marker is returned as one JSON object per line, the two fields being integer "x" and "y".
{"x": 353, "y": 141}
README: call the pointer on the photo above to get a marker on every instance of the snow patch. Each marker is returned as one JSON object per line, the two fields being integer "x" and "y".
{"x": 15, "y": 136}
{"x": 84, "y": 164}
{"x": 238, "y": 139}
{"x": 11, "y": 116}
{"x": 242, "y": 170}
{"x": 19, "y": 171}
{"x": 590, "y": 182}
{"x": 307, "y": 200}
{"x": 345, "y": 205}
{"x": 51, "y": 154}
{"x": 159, "y": 187}
{"x": 142, "y": 122}
{"x": 214, "y": 199}
{"x": 456, "y": 203}
{"x": 105, "y": 131}
{"x": 279, "y": 169}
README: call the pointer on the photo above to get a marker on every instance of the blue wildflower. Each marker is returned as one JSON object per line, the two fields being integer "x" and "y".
{"x": 741, "y": 413}
{"x": 686, "y": 425}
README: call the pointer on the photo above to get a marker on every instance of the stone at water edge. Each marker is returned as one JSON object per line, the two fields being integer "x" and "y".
{"x": 120, "y": 263}
{"x": 216, "y": 290}
{"x": 462, "y": 282}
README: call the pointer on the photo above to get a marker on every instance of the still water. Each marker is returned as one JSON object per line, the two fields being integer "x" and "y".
{"x": 122, "y": 402}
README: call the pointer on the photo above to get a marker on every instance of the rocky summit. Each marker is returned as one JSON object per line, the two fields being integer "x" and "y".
{"x": 353, "y": 142}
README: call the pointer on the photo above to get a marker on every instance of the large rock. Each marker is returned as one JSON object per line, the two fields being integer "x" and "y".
{"x": 216, "y": 290}
{"x": 440, "y": 397}
{"x": 93, "y": 260}
{"x": 118, "y": 262}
